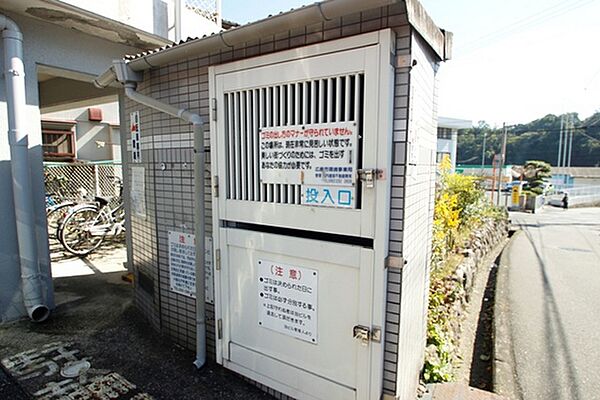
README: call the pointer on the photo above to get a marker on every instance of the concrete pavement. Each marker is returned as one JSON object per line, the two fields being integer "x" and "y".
{"x": 96, "y": 341}
{"x": 552, "y": 291}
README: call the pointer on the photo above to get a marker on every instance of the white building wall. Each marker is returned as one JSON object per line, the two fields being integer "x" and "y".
{"x": 449, "y": 146}
{"x": 153, "y": 16}
{"x": 89, "y": 133}
{"x": 418, "y": 215}
{"x": 49, "y": 45}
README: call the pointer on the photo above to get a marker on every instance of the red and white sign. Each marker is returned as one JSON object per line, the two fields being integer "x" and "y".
{"x": 136, "y": 152}
{"x": 287, "y": 299}
{"x": 315, "y": 154}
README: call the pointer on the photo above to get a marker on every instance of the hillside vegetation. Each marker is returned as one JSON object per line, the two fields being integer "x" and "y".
{"x": 536, "y": 140}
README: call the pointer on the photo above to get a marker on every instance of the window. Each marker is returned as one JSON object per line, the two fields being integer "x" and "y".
{"x": 58, "y": 141}
{"x": 444, "y": 133}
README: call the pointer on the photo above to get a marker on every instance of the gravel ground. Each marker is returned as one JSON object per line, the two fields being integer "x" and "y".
{"x": 95, "y": 313}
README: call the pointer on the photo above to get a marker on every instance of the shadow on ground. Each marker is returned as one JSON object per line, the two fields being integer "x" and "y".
{"x": 96, "y": 314}
{"x": 58, "y": 253}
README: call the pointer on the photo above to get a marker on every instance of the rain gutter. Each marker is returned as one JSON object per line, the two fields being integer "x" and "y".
{"x": 121, "y": 72}
{"x": 14, "y": 76}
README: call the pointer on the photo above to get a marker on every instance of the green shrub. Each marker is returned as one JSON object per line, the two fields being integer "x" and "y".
{"x": 460, "y": 208}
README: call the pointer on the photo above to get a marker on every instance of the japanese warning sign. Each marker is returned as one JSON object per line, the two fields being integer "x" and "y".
{"x": 320, "y": 157}
{"x": 182, "y": 265}
{"x": 138, "y": 192}
{"x": 287, "y": 299}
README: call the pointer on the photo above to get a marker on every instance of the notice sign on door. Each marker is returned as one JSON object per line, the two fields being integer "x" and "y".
{"x": 322, "y": 158}
{"x": 182, "y": 265}
{"x": 315, "y": 154}
{"x": 287, "y": 299}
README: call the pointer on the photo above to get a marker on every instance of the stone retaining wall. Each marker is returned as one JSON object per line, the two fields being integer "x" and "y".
{"x": 458, "y": 286}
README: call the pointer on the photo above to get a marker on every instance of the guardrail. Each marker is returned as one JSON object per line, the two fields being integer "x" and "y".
{"x": 577, "y": 195}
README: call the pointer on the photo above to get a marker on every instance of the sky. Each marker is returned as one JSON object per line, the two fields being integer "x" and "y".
{"x": 513, "y": 61}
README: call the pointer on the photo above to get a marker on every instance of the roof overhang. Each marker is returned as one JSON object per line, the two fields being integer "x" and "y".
{"x": 454, "y": 123}
{"x": 439, "y": 40}
{"x": 70, "y": 17}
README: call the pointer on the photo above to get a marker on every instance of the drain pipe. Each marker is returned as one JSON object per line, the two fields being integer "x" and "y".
{"x": 121, "y": 72}
{"x": 14, "y": 76}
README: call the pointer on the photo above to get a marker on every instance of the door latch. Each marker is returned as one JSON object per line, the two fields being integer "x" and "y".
{"x": 369, "y": 176}
{"x": 365, "y": 334}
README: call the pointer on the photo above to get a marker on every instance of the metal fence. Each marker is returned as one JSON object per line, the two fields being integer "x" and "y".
{"x": 65, "y": 181}
{"x": 209, "y": 9}
{"x": 577, "y": 195}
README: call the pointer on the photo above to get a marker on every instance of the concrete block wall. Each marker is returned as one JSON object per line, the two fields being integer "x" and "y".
{"x": 169, "y": 187}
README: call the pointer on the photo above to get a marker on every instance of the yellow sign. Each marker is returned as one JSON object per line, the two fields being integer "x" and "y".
{"x": 516, "y": 193}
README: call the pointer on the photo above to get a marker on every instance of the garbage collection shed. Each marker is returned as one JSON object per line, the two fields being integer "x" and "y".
{"x": 318, "y": 128}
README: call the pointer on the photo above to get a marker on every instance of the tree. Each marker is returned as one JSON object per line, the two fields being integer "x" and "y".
{"x": 536, "y": 173}
{"x": 536, "y": 140}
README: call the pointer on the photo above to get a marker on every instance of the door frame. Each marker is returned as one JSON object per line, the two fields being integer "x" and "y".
{"x": 383, "y": 106}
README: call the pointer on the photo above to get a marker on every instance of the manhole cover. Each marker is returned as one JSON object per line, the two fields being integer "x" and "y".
{"x": 73, "y": 369}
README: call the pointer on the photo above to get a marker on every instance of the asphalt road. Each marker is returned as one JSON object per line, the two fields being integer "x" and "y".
{"x": 553, "y": 289}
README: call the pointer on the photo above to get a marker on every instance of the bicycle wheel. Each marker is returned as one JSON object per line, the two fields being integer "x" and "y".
{"x": 83, "y": 230}
{"x": 56, "y": 216}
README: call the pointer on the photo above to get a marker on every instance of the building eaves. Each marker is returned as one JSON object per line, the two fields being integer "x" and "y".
{"x": 438, "y": 39}
{"x": 454, "y": 123}
{"x": 71, "y": 17}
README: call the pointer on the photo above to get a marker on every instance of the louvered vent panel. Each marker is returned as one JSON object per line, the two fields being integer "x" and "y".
{"x": 332, "y": 99}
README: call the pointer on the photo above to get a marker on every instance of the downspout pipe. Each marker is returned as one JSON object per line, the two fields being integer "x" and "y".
{"x": 130, "y": 78}
{"x": 14, "y": 76}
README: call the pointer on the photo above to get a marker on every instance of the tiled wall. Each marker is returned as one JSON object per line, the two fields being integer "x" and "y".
{"x": 169, "y": 187}
{"x": 394, "y": 276}
{"x": 419, "y": 186}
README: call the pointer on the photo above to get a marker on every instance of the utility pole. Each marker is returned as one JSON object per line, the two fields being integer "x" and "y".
{"x": 570, "y": 140}
{"x": 483, "y": 153}
{"x": 565, "y": 142}
{"x": 494, "y": 164}
{"x": 560, "y": 136}
{"x": 501, "y": 162}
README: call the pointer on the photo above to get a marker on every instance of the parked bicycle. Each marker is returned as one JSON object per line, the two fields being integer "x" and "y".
{"x": 58, "y": 211}
{"x": 87, "y": 225}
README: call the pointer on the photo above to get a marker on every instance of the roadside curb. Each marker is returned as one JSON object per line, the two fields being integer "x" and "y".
{"x": 503, "y": 365}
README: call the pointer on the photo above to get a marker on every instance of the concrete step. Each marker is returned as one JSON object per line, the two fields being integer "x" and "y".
{"x": 459, "y": 391}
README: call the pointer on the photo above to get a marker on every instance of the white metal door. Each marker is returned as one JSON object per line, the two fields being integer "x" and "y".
{"x": 300, "y": 98}
{"x": 296, "y": 235}
{"x": 326, "y": 362}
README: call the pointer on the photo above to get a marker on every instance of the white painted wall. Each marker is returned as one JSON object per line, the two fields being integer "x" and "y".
{"x": 88, "y": 133}
{"x": 418, "y": 215}
{"x": 44, "y": 44}
{"x": 449, "y": 146}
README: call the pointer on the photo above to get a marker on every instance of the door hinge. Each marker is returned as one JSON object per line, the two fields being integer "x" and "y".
{"x": 215, "y": 185}
{"x": 220, "y": 328}
{"x": 218, "y": 259}
{"x": 214, "y": 108}
{"x": 370, "y": 175}
{"x": 366, "y": 335}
